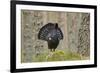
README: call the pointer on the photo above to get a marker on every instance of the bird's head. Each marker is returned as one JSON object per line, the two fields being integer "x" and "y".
{"x": 56, "y": 25}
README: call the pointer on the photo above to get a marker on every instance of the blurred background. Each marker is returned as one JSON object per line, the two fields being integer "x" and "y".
{"x": 74, "y": 25}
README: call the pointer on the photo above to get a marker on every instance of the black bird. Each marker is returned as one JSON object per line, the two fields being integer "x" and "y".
{"x": 52, "y": 34}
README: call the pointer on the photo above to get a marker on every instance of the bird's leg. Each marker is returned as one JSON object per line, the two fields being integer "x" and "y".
{"x": 50, "y": 53}
{"x": 50, "y": 50}
{"x": 53, "y": 50}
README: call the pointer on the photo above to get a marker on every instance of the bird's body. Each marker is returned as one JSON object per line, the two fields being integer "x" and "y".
{"x": 52, "y": 34}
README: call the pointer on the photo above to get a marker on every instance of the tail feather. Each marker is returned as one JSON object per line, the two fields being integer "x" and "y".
{"x": 45, "y": 31}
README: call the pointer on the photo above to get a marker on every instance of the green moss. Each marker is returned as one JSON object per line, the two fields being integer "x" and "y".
{"x": 72, "y": 56}
{"x": 39, "y": 58}
{"x": 58, "y": 55}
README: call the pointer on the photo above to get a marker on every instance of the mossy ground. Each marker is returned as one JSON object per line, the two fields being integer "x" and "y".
{"x": 58, "y": 55}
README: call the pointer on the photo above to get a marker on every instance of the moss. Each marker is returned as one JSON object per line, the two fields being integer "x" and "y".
{"x": 60, "y": 55}
{"x": 39, "y": 58}
{"x": 72, "y": 56}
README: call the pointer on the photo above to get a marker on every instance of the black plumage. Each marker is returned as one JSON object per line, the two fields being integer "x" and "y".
{"x": 52, "y": 34}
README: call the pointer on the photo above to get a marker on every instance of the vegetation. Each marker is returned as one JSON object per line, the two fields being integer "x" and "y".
{"x": 58, "y": 55}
